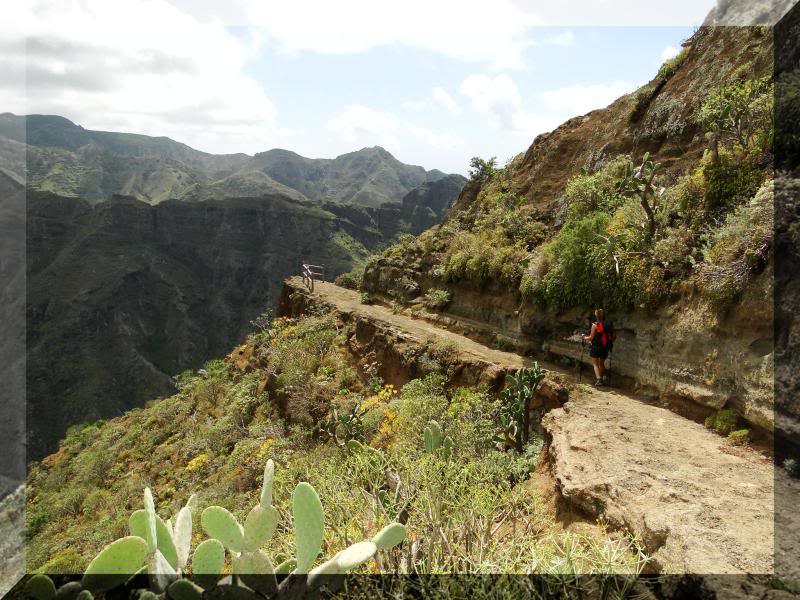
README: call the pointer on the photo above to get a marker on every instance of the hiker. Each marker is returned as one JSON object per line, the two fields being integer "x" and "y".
{"x": 602, "y": 339}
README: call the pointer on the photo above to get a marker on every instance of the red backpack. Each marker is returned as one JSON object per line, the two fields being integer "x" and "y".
{"x": 607, "y": 335}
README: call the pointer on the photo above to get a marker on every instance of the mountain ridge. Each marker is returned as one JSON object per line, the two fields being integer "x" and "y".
{"x": 67, "y": 159}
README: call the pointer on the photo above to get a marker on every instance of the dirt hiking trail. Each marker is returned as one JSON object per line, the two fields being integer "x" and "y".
{"x": 697, "y": 503}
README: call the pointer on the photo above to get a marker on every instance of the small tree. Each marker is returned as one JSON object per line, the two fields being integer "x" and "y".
{"x": 738, "y": 112}
{"x": 638, "y": 182}
{"x": 481, "y": 169}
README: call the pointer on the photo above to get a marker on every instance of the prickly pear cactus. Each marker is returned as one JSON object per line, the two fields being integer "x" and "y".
{"x": 390, "y": 536}
{"x": 266, "y": 487}
{"x": 309, "y": 523}
{"x": 221, "y": 525}
{"x": 432, "y": 436}
{"x": 138, "y": 525}
{"x": 259, "y": 526}
{"x": 162, "y": 548}
{"x": 436, "y": 441}
{"x": 208, "y": 561}
{"x": 40, "y": 587}
{"x": 183, "y": 589}
{"x": 116, "y": 563}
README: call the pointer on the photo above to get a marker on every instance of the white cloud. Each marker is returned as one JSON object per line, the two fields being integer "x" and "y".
{"x": 356, "y": 121}
{"x": 362, "y": 125}
{"x": 445, "y": 100}
{"x": 576, "y": 13}
{"x": 669, "y": 52}
{"x": 499, "y": 97}
{"x": 438, "y": 98}
{"x": 579, "y": 99}
{"x": 470, "y": 30}
{"x": 564, "y": 39}
{"x": 137, "y": 65}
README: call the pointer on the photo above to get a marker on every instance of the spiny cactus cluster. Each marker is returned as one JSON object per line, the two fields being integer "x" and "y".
{"x": 436, "y": 441}
{"x": 162, "y": 549}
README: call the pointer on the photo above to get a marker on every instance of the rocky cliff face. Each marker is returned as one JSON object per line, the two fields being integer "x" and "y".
{"x": 12, "y": 343}
{"x": 123, "y": 295}
{"x": 694, "y": 357}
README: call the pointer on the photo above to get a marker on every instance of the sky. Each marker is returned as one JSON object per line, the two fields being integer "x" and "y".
{"x": 433, "y": 82}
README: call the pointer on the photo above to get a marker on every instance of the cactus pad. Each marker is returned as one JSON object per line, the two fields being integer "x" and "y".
{"x": 309, "y": 522}
{"x": 122, "y": 558}
{"x": 208, "y": 558}
{"x": 266, "y": 487}
{"x": 40, "y": 587}
{"x": 182, "y": 536}
{"x": 390, "y": 536}
{"x": 259, "y": 526}
{"x": 221, "y": 525}
{"x": 355, "y": 555}
{"x": 253, "y": 563}
{"x": 183, "y": 589}
{"x": 139, "y": 527}
{"x": 150, "y": 531}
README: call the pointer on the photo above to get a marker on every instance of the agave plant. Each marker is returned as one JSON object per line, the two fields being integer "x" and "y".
{"x": 161, "y": 549}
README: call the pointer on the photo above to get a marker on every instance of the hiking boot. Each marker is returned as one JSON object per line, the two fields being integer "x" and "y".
{"x": 599, "y": 383}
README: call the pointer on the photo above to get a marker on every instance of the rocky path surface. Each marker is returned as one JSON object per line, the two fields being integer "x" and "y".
{"x": 697, "y": 503}
{"x": 349, "y": 301}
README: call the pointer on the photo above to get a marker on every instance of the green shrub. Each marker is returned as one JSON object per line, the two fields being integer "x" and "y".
{"x": 588, "y": 193}
{"x": 723, "y": 421}
{"x": 483, "y": 257}
{"x": 641, "y": 100}
{"x": 740, "y": 113}
{"x": 437, "y": 299}
{"x": 671, "y": 65}
{"x": 582, "y": 271}
{"x": 366, "y": 298}
{"x": 739, "y": 437}
{"x": 481, "y": 169}
{"x": 35, "y": 523}
{"x": 739, "y": 248}
{"x": 729, "y": 182}
{"x": 351, "y": 280}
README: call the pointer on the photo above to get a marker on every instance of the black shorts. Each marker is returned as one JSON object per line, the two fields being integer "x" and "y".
{"x": 598, "y": 352}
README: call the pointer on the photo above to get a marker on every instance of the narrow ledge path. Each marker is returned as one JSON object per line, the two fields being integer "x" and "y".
{"x": 697, "y": 503}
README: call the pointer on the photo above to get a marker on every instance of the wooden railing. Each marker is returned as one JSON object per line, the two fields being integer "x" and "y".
{"x": 311, "y": 272}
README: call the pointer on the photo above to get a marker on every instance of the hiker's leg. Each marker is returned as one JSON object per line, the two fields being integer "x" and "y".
{"x": 596, "y": 364}
{"x": 601, "y": 367}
